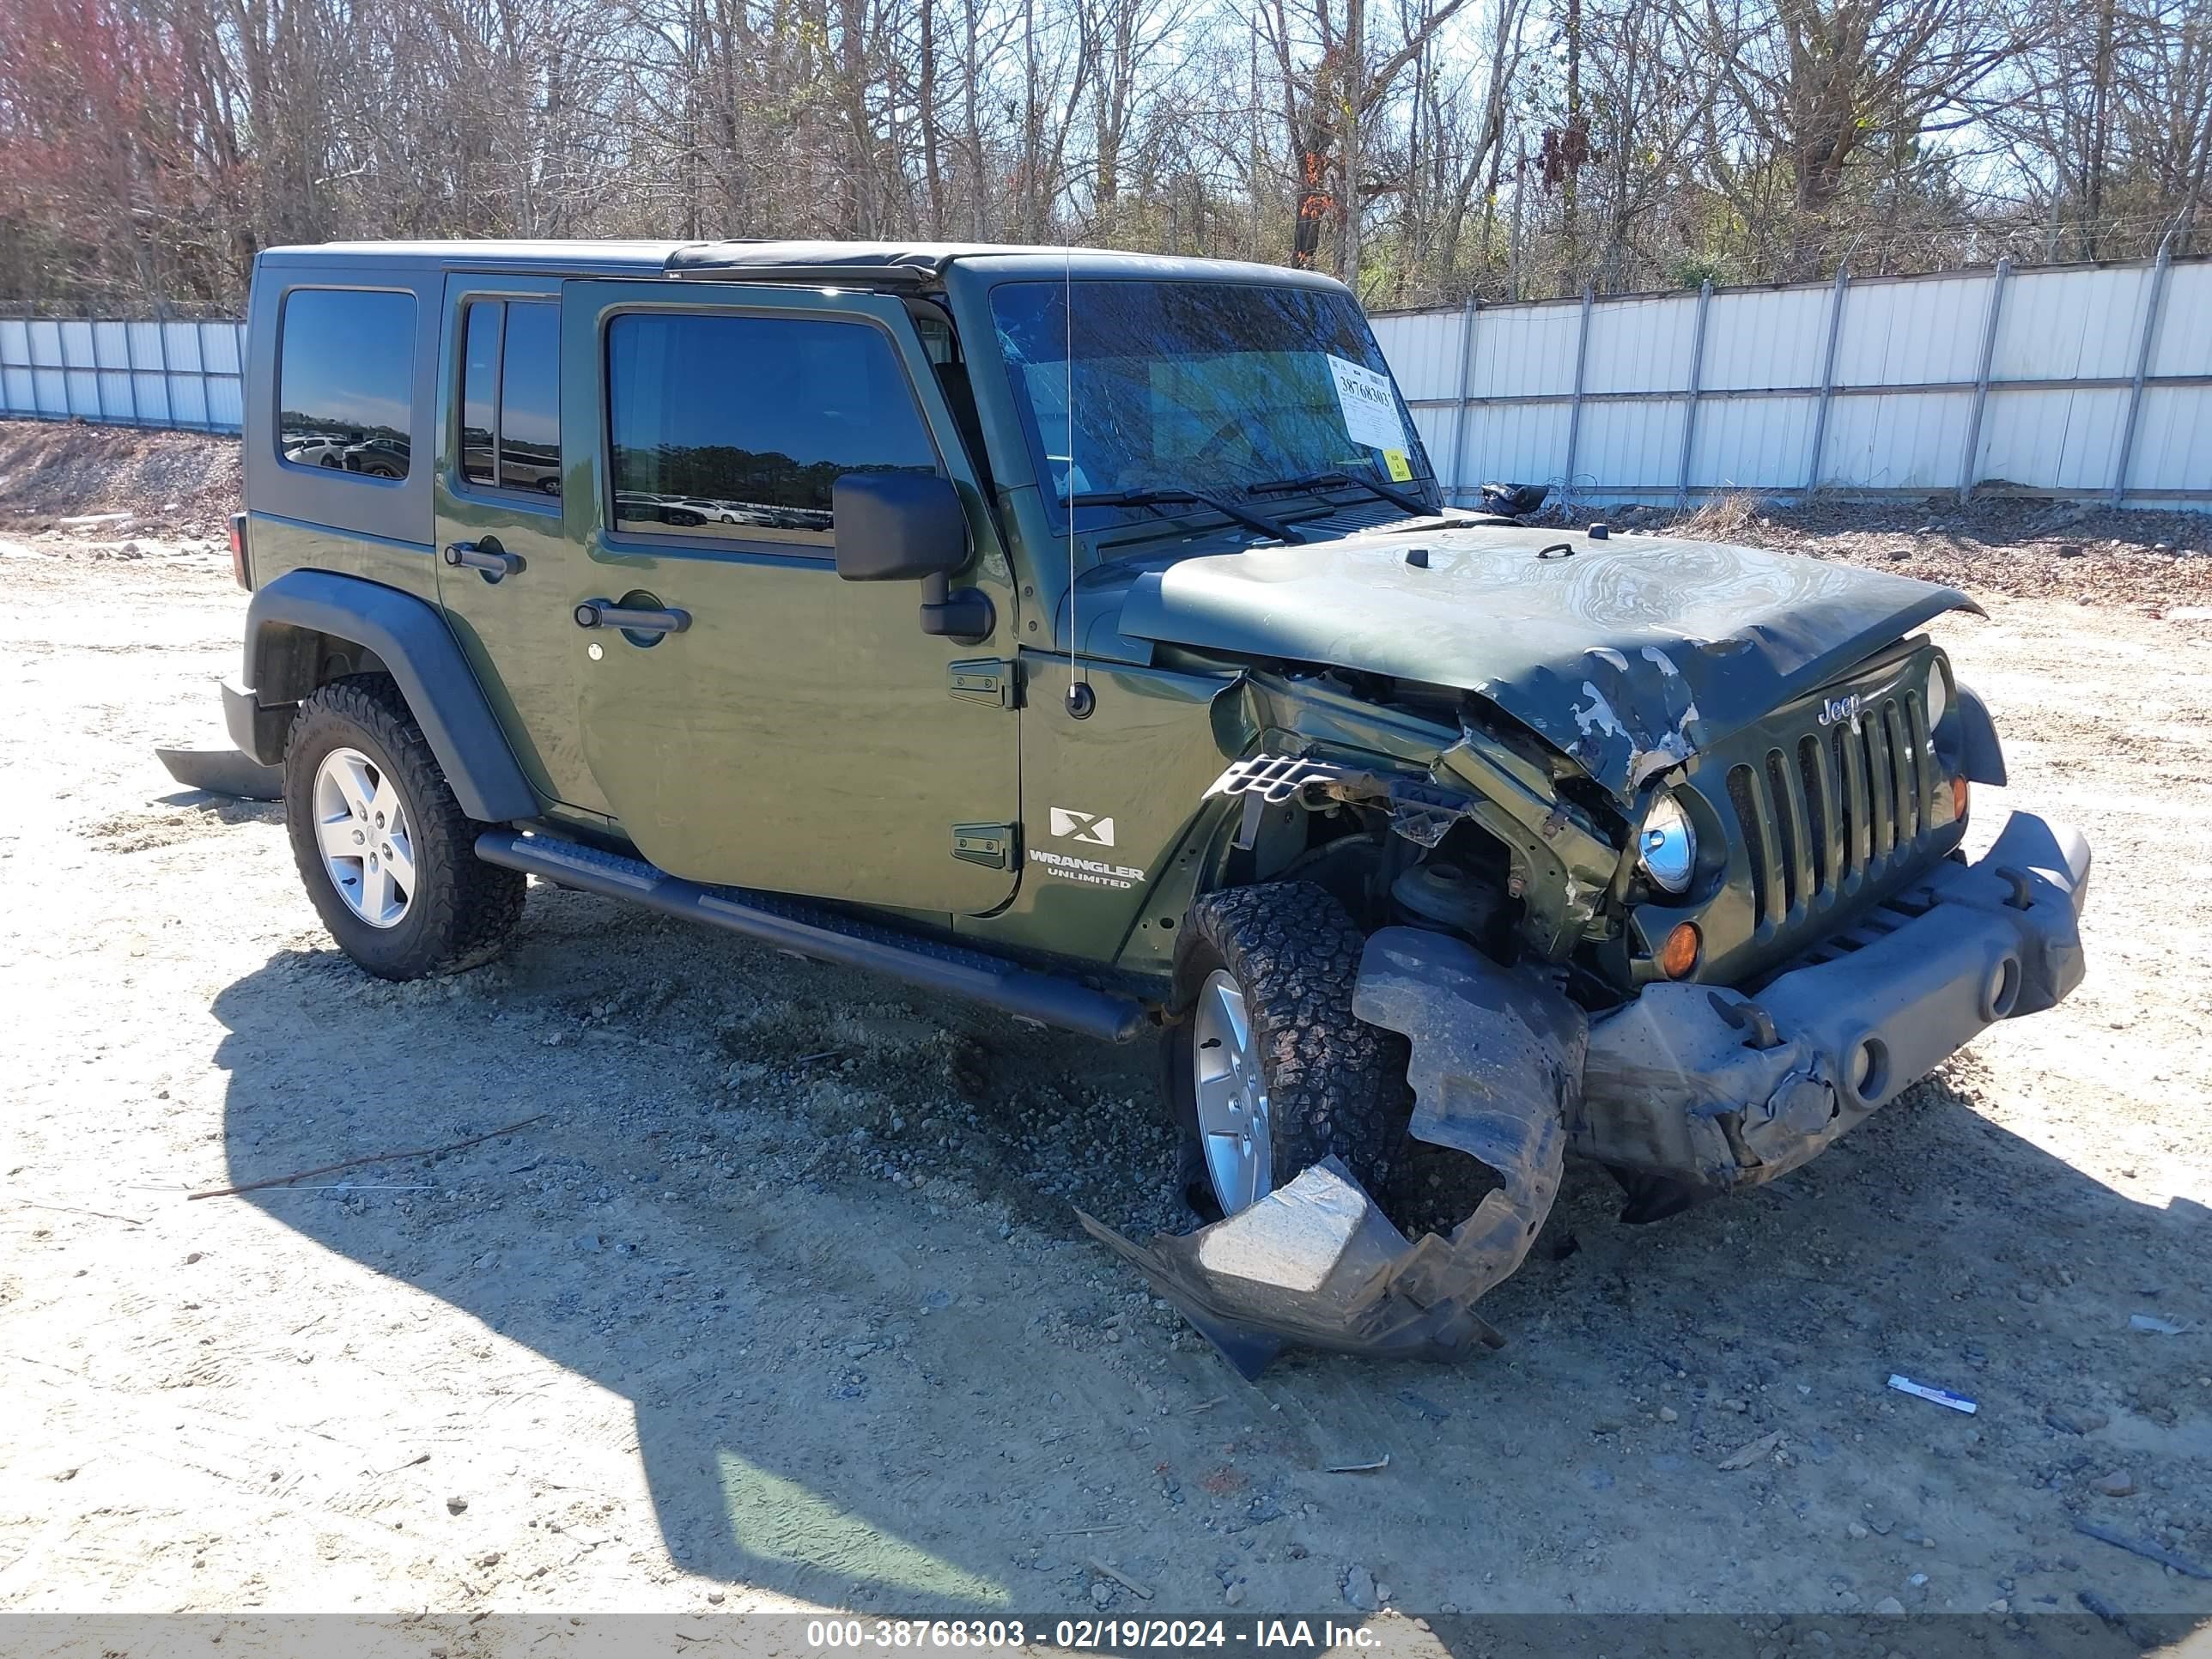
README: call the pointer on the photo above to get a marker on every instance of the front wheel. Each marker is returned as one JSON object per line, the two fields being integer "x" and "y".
{"x": 387, "y": 853}
{"x": 1270, "y": 1070}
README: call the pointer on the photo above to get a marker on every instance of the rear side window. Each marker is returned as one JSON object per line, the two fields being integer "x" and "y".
{"x": 345, "y": 381}
{"x": 511, "y": 395}
{"x": 736, "y": 427}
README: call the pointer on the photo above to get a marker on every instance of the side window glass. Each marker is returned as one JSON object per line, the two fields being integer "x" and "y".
{"x": 511, "y": 395}
{"x": 938, "y": 342}
{"x": 479, "y": 389}
{"x": 530, "y": 399}
{"x": 737, "y": 427}
{"x": 345, "y": 380}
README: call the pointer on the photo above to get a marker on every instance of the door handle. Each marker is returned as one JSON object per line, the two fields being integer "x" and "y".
{"x": 631, "y": 619}
{"x": 491, "y": 561}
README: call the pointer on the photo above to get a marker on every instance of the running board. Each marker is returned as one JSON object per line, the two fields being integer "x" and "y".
{"x": 825, "y": 936}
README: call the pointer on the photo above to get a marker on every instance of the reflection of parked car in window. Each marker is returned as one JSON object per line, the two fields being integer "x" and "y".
{"x": 661, "y": 509}
{"x": 519, "y": 469}
{"x": 522, "y": 469}
{"x": 317, "y": 452}
{"x": 378, "y": 457}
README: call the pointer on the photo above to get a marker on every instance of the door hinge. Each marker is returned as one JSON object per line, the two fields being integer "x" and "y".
{"x": 991, "y": 845}
{"x": 986, "y": 680}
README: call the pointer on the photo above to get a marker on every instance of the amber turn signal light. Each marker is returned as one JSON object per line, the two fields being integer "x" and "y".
{"x": 1678, "y": 956}
{"x": 1959, "y": 794}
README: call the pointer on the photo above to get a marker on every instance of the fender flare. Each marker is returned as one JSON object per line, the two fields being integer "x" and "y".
{"x": 415, "y": 647}
{"x": 1981, "y": 756}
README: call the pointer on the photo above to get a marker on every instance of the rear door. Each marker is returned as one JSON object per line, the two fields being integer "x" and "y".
{"x": 510, "y": 545}
{"x": 801, "y": 733}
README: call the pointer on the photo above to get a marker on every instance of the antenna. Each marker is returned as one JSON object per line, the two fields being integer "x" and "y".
{"x": 1080, "y": 699}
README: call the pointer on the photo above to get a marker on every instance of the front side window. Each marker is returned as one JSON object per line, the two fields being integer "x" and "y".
{"x": 1199, "y": 385}
{"x": 345, "y": 381}
{"x": 735, "y": 427}
{"x": 511, "y": 395}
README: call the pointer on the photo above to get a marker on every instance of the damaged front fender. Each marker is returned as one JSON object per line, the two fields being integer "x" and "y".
{"x": 1496, "y": 1070}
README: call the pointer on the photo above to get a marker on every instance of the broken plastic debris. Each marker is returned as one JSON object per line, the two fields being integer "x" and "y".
{"x": 2150, "y": 1551}
{"x": 1367, "y": 1467}
{"x": 1744, "y": 1456}
{"x": 1957, "y": 1402}
{"x": 2154, "y": 1324}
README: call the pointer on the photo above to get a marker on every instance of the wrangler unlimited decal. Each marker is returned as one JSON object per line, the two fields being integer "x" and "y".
{"x": 1085, "y": 870}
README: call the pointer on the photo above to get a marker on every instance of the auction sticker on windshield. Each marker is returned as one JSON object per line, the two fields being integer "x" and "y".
{"x": 1370, "y": 409}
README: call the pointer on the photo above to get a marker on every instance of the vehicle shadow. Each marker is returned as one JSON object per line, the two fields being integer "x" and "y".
{"x": 883, "y": 1370}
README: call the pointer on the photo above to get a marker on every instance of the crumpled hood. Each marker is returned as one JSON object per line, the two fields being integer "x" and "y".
{"x": 1629, "y": 653}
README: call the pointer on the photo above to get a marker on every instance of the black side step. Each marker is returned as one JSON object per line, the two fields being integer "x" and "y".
{"x": 824, "y": 935}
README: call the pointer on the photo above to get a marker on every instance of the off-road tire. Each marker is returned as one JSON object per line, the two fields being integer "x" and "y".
{"x": 1336, "y": 1084}
{"x": 463, "y": 910}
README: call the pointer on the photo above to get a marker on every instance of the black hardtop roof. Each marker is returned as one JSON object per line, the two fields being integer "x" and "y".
{"x": 915, "y": 264}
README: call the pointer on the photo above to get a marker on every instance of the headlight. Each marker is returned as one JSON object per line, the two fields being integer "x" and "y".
{"x": 1668, "y": 850}
{"x": 1939, "y": 697}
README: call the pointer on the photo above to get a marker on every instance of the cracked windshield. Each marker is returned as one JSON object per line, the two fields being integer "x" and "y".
{"x": 1185, "y": 391}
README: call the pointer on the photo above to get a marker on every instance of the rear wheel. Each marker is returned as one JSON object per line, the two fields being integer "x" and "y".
{"x": 1271, "y": 1072}
{"x": 387, "y": 855}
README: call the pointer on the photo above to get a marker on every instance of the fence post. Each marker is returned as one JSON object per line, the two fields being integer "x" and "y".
{"x": 1575, "y": 410}
{"x": 1982, "y": 379}
{"x": 207, "y": 399}
{"x": 2151, "y": 308}
{"x": 1466, "y": 390}
{"x": 161, "y": 358}
{"x": 1828, "y": 376}
{"x": 1697, "y": 384}
{"x": 130, "y": 367}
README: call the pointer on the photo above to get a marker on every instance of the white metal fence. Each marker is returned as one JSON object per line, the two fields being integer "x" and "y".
{"x": 2088, "y": 381}
{"x": 186, "y": 375}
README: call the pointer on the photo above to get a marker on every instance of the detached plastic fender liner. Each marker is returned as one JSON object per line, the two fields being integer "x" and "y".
{"x": 1496, "y": 1070}
{"x": 414, "y": 643}
{"x": 224, "y": 772}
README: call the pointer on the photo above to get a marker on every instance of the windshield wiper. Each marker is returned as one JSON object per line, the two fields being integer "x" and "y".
{"x": 1228, "y": 509}
{"x": 1375, "y": 487}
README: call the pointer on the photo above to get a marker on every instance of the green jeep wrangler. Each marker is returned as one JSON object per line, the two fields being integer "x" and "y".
{"x": 1087, "y": 634}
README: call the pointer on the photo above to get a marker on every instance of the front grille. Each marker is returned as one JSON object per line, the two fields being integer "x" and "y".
{"x": 1836, "y": 811}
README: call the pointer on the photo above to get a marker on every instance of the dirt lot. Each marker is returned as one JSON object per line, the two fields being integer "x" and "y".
{"x": 775, "y": 1298}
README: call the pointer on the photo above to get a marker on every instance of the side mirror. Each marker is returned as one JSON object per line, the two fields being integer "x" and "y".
{"x": 898, "y": 526}
{"x": 1513, "y": 500}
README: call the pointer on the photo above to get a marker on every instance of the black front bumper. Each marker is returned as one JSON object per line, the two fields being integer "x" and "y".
{"x": 1717, "y": 1088}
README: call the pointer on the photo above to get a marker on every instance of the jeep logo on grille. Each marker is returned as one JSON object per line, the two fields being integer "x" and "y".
{"x": 1836, "y": 710}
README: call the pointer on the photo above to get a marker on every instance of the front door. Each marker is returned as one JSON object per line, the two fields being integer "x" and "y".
{"x": 801, "y": 733}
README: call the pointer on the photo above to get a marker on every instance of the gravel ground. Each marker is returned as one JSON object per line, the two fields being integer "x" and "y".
{"x": 767, "y": 1293}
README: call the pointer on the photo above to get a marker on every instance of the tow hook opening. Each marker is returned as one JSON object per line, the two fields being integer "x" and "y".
{"x": 2003, "y": 991}
{"x": 1869, "y": 1071}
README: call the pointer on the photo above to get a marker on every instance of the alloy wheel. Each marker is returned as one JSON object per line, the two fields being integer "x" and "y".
{"x": 367, "y": 842}
{"x": 1231, "y": 1093}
